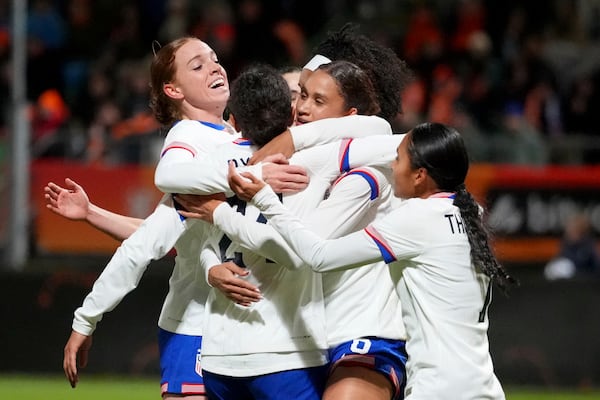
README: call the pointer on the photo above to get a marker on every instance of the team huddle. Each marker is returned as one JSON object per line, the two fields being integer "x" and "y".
{"x": 318, "y": 254}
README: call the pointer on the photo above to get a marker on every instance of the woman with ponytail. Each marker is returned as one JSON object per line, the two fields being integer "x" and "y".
{"x": 437, "y": 248}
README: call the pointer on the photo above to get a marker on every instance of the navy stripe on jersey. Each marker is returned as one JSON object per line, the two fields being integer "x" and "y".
{"x": 344, "y": 157}
{"x": 218, "y": 127}
{"x": 242, "y": 142}
{"x": 384, "y": 247}
{"x": 371, "y": 180}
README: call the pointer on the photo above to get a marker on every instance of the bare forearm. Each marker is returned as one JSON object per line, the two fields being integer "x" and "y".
{"x": 116, "y": 225}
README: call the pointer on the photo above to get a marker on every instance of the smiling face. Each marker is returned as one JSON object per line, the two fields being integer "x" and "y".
{"x": 200, "y": 82}
{"x": 320, "y": 98}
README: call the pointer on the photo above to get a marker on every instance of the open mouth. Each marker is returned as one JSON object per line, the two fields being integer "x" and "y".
{"x": 217, "y": 83}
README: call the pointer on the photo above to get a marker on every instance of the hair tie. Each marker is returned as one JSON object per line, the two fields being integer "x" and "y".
{"x": 316, "y": 62}
{"x": 155, "y": 47}
{"x": 460, "y": 188}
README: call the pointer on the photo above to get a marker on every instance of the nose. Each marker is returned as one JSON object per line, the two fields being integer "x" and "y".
{"x": 215, "y": 67}
{"x": 302, "y": 107}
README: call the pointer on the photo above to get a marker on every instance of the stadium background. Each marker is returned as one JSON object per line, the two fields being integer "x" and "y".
{"x": 480, "y": 65}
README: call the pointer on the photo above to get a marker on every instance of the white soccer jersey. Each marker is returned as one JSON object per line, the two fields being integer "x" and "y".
{"x": 205, "y": 174}
{"x": 359, "y": 302}
{"x": 183, "y": 308}
{"x": 444, "y": 299}
{"x": 283, "y": 330}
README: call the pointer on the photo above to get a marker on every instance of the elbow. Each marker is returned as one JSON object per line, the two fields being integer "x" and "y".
{"x": 164, "y": 181}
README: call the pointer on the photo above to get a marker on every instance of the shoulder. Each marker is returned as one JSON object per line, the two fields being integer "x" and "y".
{"x": 368, "y": 179}
{"x": 197, "y": 134}
{"x": 426, "y": 206}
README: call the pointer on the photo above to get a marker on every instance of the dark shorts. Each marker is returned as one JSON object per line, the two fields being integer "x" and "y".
{"x": 385, "y": 356}
{"x": 296, "y": 384}
{"x": 180, "y": 368}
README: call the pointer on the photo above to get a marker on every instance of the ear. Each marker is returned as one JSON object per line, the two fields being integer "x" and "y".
{"x": 352, "y": 111}
{"x": 421, "y": 176}
{"x": 172, "y": 91}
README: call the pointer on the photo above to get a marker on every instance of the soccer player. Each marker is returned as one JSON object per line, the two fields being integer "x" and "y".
{"x": 129, "y": 263}
{"x": 439, "y": 255}
{"x": 365, "y": 333}
{"x": 189, "y": 91}
{"x": 233, "y": 366}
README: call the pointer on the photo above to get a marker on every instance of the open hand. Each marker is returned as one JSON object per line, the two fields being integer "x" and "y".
{"x": 70, "y": 201}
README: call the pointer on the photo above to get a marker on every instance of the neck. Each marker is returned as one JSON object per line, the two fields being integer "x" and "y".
{"x": 213, "y": 116}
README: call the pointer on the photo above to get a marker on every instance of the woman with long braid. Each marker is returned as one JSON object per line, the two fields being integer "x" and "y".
{"x": 437, "y": 248}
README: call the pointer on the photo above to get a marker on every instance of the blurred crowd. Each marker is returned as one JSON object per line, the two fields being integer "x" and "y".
{"x": 514, "y": 77}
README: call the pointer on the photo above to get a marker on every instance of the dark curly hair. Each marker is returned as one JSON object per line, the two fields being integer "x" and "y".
{"x": 386, "y": 70}
{"x": 441, "y": 151}
{"x": 260, "y": 102}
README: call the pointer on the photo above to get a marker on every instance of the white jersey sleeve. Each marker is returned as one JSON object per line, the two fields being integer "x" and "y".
{"x": 209, "y": 257}
{"x": 331, "y": 129}
{"x": 322, "y": 255}
{"x": 152, "y": 240}
{"x": 189, "y": 149}
{"x": 207, "y": 174}
{"x": 354, "y": 197}
{"x": 335, "y": 216}
{"x": 259, "y": 238}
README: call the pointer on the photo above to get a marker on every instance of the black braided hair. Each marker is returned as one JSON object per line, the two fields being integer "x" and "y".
{"x": 441, "y": 151}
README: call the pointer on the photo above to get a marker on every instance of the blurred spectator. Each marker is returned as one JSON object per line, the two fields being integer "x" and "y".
{"x": 578, "y": 255}
{"x": 46, "y": 34}
{"x": 517, "y": 142}
{"x": 470, "y": 58}
{"x": 48, "y": 116}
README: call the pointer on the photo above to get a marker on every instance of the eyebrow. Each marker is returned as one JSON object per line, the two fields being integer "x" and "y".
{"x": 319, "y": 94}
{"x": 202, "y": 57}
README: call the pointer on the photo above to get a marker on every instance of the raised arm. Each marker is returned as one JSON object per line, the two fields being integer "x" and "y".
{"x": 355, "y": 195}
{"x": 72, "y": 202}
{"x": 321, "y": 132}
{"x": 206, "y": 173}
{"x": 322, "y": 255}
{"x": 259, "y": 238}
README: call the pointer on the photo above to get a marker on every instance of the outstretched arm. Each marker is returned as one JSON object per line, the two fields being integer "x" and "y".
{"x": 259, "y": 238}
{"x": 350, "y": 251}
{"x": 321, "y": 132}
{"x": 72, "y": 202}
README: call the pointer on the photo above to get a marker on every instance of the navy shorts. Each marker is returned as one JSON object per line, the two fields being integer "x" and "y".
{"x": 297, "y": 384}
{"x": 180, "y": 368}
{"x": 385, "y": 356}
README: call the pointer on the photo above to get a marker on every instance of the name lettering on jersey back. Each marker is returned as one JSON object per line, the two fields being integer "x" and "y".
{"x": 240, "y": 162}
{"x": 456, "y": 223}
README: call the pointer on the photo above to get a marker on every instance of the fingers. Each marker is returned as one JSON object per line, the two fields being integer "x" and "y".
{"x": 241, "y": 292}
{"x": 277, "y": 159}
{"x": 70, "y": 183}
{"x": 236, "y": 269}
{"x": 295, "y": 170}
{"x": 243, "y": 297}
{"x": 290, "y": 187}
{"x": 83, "y": 358}
{"x": 70, "y": 365}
